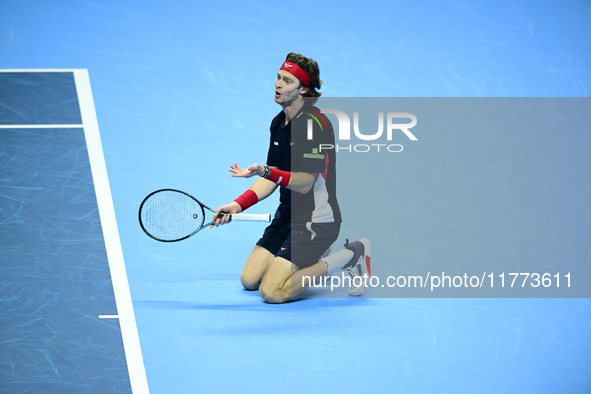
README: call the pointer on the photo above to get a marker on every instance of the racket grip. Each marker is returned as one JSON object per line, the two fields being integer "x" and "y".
{"x": 249, "y": 217}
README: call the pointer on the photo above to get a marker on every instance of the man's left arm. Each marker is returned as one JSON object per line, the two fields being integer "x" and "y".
{"x": 297, "y": 181}
{"x": 301, "y": 182}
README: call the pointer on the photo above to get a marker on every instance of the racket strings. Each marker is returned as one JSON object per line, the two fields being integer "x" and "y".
{"x": 170, "y": 215}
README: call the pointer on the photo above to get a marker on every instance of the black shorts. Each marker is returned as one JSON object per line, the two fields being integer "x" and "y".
{"x": 301, "y": 244}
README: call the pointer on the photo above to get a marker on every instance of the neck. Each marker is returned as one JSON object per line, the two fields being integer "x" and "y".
{"x": 292, "y": 109}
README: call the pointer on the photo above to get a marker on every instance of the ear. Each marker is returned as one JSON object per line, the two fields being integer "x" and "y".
{"x": 303, "y": 91}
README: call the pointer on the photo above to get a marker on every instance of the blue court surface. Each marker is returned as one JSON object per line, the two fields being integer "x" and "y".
{"x": 103, "y": 102}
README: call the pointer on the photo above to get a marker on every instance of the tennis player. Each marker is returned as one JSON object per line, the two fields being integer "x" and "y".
{"x": 308, "y": 219}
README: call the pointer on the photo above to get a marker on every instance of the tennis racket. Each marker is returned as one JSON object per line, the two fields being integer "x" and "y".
{"x": 170, "y": 215}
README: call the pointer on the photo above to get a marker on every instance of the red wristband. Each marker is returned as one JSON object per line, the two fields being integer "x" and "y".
{"x": 279, "y": 177}
{"x": 247, "y": 199}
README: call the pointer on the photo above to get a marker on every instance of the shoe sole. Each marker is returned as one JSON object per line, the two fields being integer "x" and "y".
{"x": 357, "y": 291}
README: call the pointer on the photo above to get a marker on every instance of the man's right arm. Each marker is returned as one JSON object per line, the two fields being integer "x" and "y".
{"x": 263, "y": 189}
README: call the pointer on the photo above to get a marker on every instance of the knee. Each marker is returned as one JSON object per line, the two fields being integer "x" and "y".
{"x": 249, "y": 282}
{"x": 272, "y": 295}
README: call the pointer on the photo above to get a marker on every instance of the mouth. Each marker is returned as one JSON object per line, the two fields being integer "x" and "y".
{"x": 277, "y": 94}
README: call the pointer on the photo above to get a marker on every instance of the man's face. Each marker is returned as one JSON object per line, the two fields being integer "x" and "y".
{"x": 287, "y": 88}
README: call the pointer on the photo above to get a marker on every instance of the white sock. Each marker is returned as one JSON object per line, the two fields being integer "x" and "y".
{"x": 336, "y": 261}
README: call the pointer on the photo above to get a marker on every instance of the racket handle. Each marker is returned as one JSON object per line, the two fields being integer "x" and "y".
{"x": 249, "y": 217}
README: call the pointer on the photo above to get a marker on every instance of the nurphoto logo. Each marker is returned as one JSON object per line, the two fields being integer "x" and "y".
{"x": 344, "y": 131}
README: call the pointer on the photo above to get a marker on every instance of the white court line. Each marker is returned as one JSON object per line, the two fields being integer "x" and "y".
{"x": 41, "y": 126}
{"x": 131, "y": 341}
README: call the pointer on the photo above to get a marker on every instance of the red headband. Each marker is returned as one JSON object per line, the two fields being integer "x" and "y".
{"x": 297, "y": 72}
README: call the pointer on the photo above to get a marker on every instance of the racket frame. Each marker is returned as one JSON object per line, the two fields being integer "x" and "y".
{"x": 201, "y": 205}
{"x": 237, "y": 217}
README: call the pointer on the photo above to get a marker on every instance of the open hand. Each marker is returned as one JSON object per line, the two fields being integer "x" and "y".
{"x": 255, "y": 169}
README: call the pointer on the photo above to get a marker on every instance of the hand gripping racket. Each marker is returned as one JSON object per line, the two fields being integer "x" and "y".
{"x": 170, "y": 215}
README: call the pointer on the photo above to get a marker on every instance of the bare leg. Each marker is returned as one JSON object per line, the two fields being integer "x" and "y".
{"x": 256, "y": 266}
{"x": 283, "y": 280}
